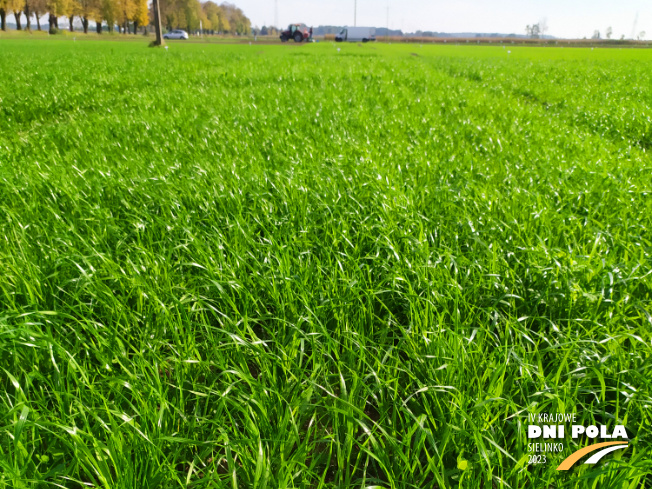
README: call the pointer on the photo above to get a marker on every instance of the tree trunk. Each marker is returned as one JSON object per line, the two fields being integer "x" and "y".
{"x": 38, "y": 21}
{"x": 3, "y": 21}
{"x": 85, "y": 24}
{"x": 135, "y": 27}
{"x": 98, "y": 26}
{"x": 28, "y": 24}
{"x": 17, "y": 17}
{"x": 157, "y": 23}
{"x": 70, "y": 19}
{"x": 125, "y": 28}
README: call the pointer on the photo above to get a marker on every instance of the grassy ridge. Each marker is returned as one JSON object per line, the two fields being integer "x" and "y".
{"x": 261, "y": 266}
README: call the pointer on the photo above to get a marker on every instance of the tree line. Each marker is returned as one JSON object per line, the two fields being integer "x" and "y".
{"x": 127, "y": 15}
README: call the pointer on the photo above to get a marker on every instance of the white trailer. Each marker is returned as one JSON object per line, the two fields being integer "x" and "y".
{"x": 356, "y": 34}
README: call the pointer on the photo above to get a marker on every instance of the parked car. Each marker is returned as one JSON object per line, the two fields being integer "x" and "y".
{"x": 176, "y": 34}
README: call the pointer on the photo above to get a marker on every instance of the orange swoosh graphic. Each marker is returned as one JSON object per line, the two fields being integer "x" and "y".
{"x": 574, "y": 457}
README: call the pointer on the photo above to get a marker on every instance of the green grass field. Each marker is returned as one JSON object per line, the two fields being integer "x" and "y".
{"x": 303, "y": 267}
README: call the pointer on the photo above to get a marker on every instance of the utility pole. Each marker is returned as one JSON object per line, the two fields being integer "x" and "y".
{"x": 634, "y": 26}
{"x": 355, "y": 12}
{"x": 387, "y": 34}
{"x": 276, "y": 14}
{"x": 157, "y": 24}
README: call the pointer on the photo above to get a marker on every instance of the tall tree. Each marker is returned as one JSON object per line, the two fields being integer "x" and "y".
{"x": 188, "y": 13}
{"x": 28, "y": 14}
{"x": 166, "y": 10}
{"x": 96, "y": 14}
{"x": 126, "y": 9}
{"x": 72, "y": 9}
{"x": 174, "y": 13}
{"x": 543, "y": 27}
{"x": 223, "y": 24}
{"x": 97, "y": 17}
{"x": 18, "y": 11}
{"x": 237, "y": 20}
{"x": 109, "y": 12}
{"x": 57, "y": 8}
{"x": 192, "y": 13}
{"x": 9, "y": 6}
{"x": 37, "y": 8}
{"x": 87, "y": 10}
{"x": 213, "y": 13}
{"x": 141, "y": 16}
{"x": 533, "y": 31}
{"x": 3, "y": 15}
{"x": 204, "y": 23}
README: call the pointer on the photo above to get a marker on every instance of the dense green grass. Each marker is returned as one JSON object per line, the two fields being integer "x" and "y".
{"x": 281, "y": 266}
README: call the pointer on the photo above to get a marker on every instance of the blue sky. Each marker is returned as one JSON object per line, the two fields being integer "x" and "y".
{"x": 565, "y": 18}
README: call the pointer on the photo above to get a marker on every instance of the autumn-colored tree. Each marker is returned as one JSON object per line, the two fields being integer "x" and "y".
{"x": 3, "y": 15}
{"x": 10, "y": 6}
{"x": 73, "y": 10}
{"x": 109, "y": 12}
{"x": 238, "y": 21}
{"x": 37, "y": 8}
{"x": 28, "y": 14}
{"x": 171, "y": 13}
{"x": 188, "y": 13}
{"x": 97, "y": 18}
{"x": 87, "y": 10}
{"x": 141, "y": 14}
{"x": 223, "y": 24}
{"x": 57, "y": 8}
{"x": 192, "y": 11}
{"x": 95, "y": 13}
{"x": 125, "y": 11}
{"x": 181, "y": 14}
{"x": 169, "y": 19}
{"x": 204, "y": 23}
{"x": 212, "y": 12}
